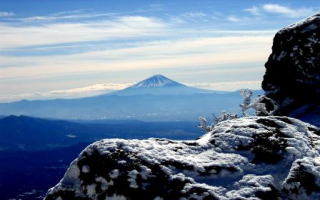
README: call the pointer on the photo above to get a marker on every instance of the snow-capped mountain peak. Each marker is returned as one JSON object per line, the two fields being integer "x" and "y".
{"x": 157, "y": 81}
{"x": 159, "y": 85}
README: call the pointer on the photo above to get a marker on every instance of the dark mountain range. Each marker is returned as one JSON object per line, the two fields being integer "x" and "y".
{"x": 18, "y": 133}
{"x": 27, "y": 175}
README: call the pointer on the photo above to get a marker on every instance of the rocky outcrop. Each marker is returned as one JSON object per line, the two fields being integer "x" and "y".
{"x": 292, "y": 77}
{"x": 247, "y": 158}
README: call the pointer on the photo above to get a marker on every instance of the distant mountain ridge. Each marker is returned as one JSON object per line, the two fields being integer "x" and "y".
{"x": 33, "y": 134}
{"x": 157, "y": 98}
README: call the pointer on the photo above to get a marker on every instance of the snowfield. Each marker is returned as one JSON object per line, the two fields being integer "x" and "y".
{"x": 247, "y": 158}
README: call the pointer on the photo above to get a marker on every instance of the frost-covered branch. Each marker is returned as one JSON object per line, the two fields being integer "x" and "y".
{"x": 246, "y": 104}
{"x": 258, "y": 104}
{"x": 203, "y": 122}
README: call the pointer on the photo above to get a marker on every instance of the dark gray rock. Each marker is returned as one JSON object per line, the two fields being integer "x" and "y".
{"x": 292, "y": 77}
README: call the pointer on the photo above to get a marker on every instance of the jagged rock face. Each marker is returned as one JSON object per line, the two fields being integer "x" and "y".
{"x": 248, "y": 158}
{"x": 292, "y": 75}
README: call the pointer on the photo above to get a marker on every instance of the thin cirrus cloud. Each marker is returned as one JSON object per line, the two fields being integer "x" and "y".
{"x": 86, "y": 91}
{"x": 193, "y": 17}
{"x": 12, "y": 36}
{"x": 280, "y": 9}
{"x": 254, "y": 10}
{"x": 228, "y": 85}
{"x": 6, "y": 14}
{"x": 181, "y": 53}
{"x": 125, "y": 44}
{"x": 233, "y": 19}
{"x": 70, "y": 16}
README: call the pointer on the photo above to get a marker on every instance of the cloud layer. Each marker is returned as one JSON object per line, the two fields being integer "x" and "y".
{"x": 58, "y": 54}
{"x": 124, "y": 27}
{"x": 103, "y": 88}
{"x": 180, "y": 53}
{"x": 6, "y": 14}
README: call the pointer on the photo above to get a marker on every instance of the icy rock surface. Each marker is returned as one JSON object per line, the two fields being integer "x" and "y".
{"x": 292, "y": 77}
{"x": 247, "y": 158}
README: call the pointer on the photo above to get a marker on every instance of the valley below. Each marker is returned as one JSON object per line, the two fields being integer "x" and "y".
{"x": 35, "y": 153}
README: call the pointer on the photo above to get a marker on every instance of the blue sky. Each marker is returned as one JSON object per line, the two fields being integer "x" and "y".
{"x": 71, "y": 48}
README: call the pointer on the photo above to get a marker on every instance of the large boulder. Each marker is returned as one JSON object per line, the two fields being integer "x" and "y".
{"x": 292, "y": 78}
{"x": 248, "y": 158}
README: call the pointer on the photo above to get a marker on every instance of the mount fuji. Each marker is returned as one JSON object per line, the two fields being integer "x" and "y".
{"x": 157, "y": 81}
{"x": 161, "y": 85}
{"x": 157, "y": 98}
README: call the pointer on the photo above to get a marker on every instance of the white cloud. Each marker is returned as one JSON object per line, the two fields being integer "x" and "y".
{"x": 155, "y": 7}
{"x": 282, "y": 10}
{"x": 12, "y": 36}
{"x": 194, "y": 14}
{"x": 96, "y": 89}
{"x": 233, "y": 19}
{"x": 195, "y": 17}
{"x": 6, "y": 14}
{"x": 160, "y": 46}
{"x": 91, "y": 90}
{"x": 253, "y": 10}
{"x": 276, "y": 8}
{"x": 186, "y": 52}
{"x": 64, "y": 17}
{"x": 228, "y": 86}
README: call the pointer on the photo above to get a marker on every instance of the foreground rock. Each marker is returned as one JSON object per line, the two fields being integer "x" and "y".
{"x": 248, "y": 158}
{"x": 292, "y": 77}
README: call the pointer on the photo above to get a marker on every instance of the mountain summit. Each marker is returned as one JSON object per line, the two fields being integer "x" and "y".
{"x": 155, "y": 98}
{"x": 157, "y": 81}
{"x": 160, "y": 85}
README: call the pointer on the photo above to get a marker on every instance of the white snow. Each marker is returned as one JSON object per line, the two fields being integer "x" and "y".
{"x": 214, "y": 162}
{"x": 91, "y": 190}
{"x": 145, "y": 172}
{"x": 104, "y": 183}
{"x": 132, "y": 180}
{"x": 116, "y": 197}
{"x": 85, "y": 169}
{"x": 114, "y": 173}
{"x": 158, "y": 198}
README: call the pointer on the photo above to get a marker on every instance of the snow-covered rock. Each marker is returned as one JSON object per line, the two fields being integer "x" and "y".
{"x": 247, "y": 158}
{"x": 292, "y": 77}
